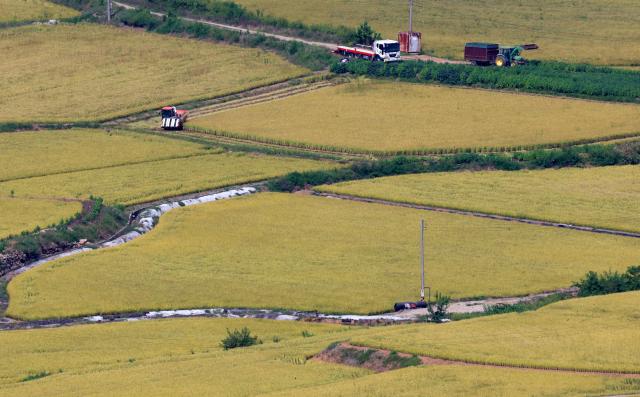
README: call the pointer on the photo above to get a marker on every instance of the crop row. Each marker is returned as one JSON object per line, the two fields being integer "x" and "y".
{"x": 582, "y": 81}
{"x": 408, "y": 152}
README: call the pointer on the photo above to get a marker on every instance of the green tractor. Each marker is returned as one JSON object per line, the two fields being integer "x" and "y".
{"x": 512, "y": 56}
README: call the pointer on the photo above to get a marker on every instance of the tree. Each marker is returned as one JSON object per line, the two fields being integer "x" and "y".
{"x": 366, "y": 35}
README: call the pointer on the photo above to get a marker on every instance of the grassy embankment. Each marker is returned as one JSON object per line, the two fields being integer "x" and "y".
{"x": 606, "y": 197}
{"x": 312, "y": 253}
{"x": 372, "y": 116}
{"x": 32, "y": 10}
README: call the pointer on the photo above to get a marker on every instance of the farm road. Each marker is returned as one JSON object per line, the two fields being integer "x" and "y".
{"x": 588, "y": 229}
{"x": 329, "y": 46}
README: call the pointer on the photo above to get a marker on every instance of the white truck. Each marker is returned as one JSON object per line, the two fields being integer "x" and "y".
{"x": 380, "y": 50}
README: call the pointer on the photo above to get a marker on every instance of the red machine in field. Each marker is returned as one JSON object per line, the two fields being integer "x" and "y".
{"x": 496, "y": 54}
{"x": 172, "y": 118}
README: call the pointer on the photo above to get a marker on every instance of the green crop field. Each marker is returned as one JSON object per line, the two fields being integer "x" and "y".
{"x": 18, "y": 215}
{"x": 592, "y": 31}
{"x": 183, "y": 357}
{"x": 602, "y": 196}
{"x": 368, "y": 116}
{"x": 312, "y": 253}
{"x": 32, "y": 10}
{"x": 596, "y": 333}
{"x": 103, "y": 72}
{"x": 153, "y": 180}
{"x": 52, "y": 152}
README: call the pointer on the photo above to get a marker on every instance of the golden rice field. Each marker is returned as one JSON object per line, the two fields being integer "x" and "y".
{"x": 606, "y": 197}
{"x": 32, "y": 10}
{"x": 104, "y": 347}
{"x": 581, "y": 31}
{"x": 153, "y": 180}
{"x": 369, "y": 115}
{"x": 312, "y": 253}
{"x": 182, "y": 357}
{"x": 45, "y": 152}
{"x": 18, "y": 215}
{"x": 103, "y": 72}
{"x": 596, "y": 333}
{"x": 456, "y": 380}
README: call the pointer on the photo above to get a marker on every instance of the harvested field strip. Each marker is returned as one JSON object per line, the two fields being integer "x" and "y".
{"x": 603, "y": 197}
{"x": 32, "y": 10}
{"x": 215, "y": 254}
{"x": 19, "y": 215}
{"x": 153, "y": 180}
{"x": 546, "y": 338}
{"x": 40, "y": 153}
{"x": 119, "y": 76}
{"x": 563, "y": 31}
{"x": 419, "y": 119}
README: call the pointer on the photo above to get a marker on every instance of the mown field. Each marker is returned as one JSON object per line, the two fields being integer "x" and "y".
{"x": 32, "y": 10}
{"x": 374, "y": 116}
{"x": 18, "y": 215}
{"x": 606, "y": 197}
{"x": 182, "y": 357}
{"x": 596, "y": 333}
{"x": 38, "y": 153}
{"x": 103, "y": 72}
{"x": 153, "y": 180}
{"x": 572, "y": 31}
{"x": 312, "y": 253}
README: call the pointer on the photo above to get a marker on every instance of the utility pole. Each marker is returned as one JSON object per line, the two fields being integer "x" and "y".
{"x": 410, "y": 16}
{"x": 422, "y": 227}
{"x": 108, "y": 11}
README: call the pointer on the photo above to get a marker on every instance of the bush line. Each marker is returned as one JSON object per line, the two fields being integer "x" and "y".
{"x": 549, "y": 77}
{"x": 578, "y": 156}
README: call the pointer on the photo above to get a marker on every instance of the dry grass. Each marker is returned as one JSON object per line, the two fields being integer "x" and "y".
{"x": 104, "y": 72}
{"x": 51, "y": 152}
{"x": 369, "y": 115}
{"x": 575, "y": 31}
{"x": 604, "y": 197}
{"x": 32, "y": 10}
{"x": 153, "y": 180}
{"x": 18, "y": 215}
{"x": 301, "y": 252}
{"x": 597, "y": 333}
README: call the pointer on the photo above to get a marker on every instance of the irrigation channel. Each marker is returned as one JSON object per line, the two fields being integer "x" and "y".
{"x": 145, "y": 217}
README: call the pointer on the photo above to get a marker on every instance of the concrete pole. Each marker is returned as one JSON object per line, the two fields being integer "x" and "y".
{"x": 410, "y": 16}
{"x": 108, "y": 11}
{"x": 422, "y": 258}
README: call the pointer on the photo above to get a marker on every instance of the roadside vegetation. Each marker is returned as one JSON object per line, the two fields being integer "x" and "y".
{"x": 14, "y": 11}
{"x": 580, "y": 32}
{"x": 386, "y": 118}
{"x": 104, "y": 72}
{"x": 605, "y": 197}
{"x": 221, "y": 251}
{"x": 609, "y": 282}
{"x": 573, "y": 334}
{"x": 555, "y": 78}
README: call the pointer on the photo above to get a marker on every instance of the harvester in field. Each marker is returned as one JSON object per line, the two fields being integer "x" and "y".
{"x": 172, "y": 118}
{"x": 496, "y": 54}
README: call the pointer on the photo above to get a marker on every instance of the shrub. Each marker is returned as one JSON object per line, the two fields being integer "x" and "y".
{"x": 609, "y": 282}
{"x": 438, "y": 309}
{"x": 239, "y": 338}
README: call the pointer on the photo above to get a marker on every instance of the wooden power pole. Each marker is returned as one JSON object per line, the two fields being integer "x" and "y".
{"x": 410, "y": 16}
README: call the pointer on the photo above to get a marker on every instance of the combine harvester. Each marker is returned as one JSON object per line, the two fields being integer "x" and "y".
{"x": 380, "y": 50}
{"x": 495, "y": 54}
{"x": 172, "y": 118}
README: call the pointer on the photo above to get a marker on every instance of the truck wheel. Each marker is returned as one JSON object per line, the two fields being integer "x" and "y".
{"x": 501, "y": 61}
